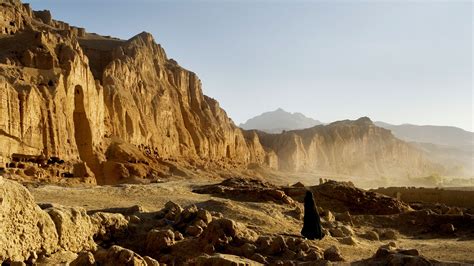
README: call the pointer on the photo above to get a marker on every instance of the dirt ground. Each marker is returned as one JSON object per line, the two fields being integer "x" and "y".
{"x": 262, "y": 217}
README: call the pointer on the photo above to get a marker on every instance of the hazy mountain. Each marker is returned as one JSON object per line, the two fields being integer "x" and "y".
{"x": 349, "y": 147}
{"x": 440, "y": 135}
{"x": 447, "y": 145}
{"x": 279, "y": 120}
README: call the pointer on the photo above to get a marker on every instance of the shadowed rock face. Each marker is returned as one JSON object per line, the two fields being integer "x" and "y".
{"x": 71, "y": 94}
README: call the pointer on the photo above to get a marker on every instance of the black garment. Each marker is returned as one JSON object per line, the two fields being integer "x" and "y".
{"x": 312, "y": 223}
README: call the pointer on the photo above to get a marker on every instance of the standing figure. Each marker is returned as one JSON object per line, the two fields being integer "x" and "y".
{"x": 312, "y": 222}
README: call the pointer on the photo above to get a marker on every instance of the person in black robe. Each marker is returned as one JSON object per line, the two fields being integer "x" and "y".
{"x": 312, "y": 222}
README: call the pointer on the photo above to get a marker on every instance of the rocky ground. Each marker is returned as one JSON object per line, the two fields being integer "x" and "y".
{"x": 204, "y": 222}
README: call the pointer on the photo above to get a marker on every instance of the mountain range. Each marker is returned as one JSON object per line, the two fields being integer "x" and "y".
{"x": 445, "y": 145}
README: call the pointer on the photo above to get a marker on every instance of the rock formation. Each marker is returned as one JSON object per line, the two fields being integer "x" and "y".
{"x": 124, "y": 110}
{"x": 347, "y": 147}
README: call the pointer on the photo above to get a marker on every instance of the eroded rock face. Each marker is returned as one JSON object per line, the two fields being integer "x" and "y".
{"x": 74, "y": 227}
{"x": 60, "y": 102}
{"x": 25, "y": 228}
{"x": 346, "y": 147}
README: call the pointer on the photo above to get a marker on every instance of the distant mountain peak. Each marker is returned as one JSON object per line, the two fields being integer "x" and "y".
{"x": 279, "y": 120}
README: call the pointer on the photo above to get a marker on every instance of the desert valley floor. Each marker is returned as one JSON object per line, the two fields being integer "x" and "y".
{"x": 270, "y": 217}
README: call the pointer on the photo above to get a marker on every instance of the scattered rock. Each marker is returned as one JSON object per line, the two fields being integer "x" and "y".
{"x": 333, "y": 254}
{"x": 389, "y": 255}
{"x": 329, "y": 216}
{"x": 194, "y": 230}
{"x": 347, "y": 230}
{"x": 349, "y": 240}
{"x": 109, "y": 225}
{"x": 204, "y": 215}
{"x": 336, "y": 232}
{"x": 390, "y": 234}
{"x": 371, "y": 235}
{"x": 117, "y": 255}
{"x": 345, "y": 217}
{"x": 84, "y": 259}
{"x": 178, "y": 236}
{"x": 159, "y": 240}
{"x": 223, "y": 260}
{"x": 223, "y": 231}
{"x": 447, "y": 228}
{"x": 134, "y": 219}
{"x": 344, "y": 196}
{"x": 259, "y": 258}
{"x": 313, "y": 255}
{"x": 246, "y": 190}
{"x": 277, "y": 245}
{"x": 151, "y": 261}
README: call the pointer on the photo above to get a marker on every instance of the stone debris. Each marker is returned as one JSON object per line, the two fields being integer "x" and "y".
{"x": 247, "y": 190}
{"x": 333, "y": 254}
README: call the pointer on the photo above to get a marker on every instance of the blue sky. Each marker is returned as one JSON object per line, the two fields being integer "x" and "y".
{"x": 394, "y": 61}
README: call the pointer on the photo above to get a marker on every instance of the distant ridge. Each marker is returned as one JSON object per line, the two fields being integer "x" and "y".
{"x": 278, "y": 121}
{"x": 439, "y": 135}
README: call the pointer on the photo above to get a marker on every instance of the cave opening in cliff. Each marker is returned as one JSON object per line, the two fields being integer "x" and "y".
{"x": 82, "y": 130}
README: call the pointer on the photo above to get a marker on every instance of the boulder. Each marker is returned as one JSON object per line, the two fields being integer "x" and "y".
{"x": 333, "y": 254}
{"x": 172, "y": 210}
{"x": 347, "y": 230}
{"x": 194, "y": 230}
{"x": 117, "y": 255}
{"x": 329, "y": 216}
{"x": 336, "y": 232}
{"x": 84, "y": 259}
{"x": 204, "y": 215}
{"x": 390, "y": 255}
{"x": 259, "y": 258}
{"x": 223, "y": 260}
{"x": 313, "y": 255}
{"x": 345, "y": 217}
{"x": 159, "y": 240}
{"x": 390, "y": 234}
{"x": 74, "y": 227}
{"x": 371, "y": 235}
{"x": 277, "y": 245}
{"x": 109, "y": 225}
{"x": 221, "y": 232}
{"x": 25, "y": 228}
{"x": 348, "y": 240}
{"x": 447, "y": 228}
{"x": 151, "y": 261}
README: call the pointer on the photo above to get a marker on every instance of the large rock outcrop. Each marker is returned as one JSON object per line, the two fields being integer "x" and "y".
{"x": 25, "y": 228}
{"x": 347, "y": 147}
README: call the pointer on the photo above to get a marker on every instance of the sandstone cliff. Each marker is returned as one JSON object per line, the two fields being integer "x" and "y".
{"x": 347, "y": 147}
{"x": 70, "y": 94}
{"x": 123, "y": 109}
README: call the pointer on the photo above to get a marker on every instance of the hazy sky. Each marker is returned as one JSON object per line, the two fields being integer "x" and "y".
{"x": 394, "y": 61}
